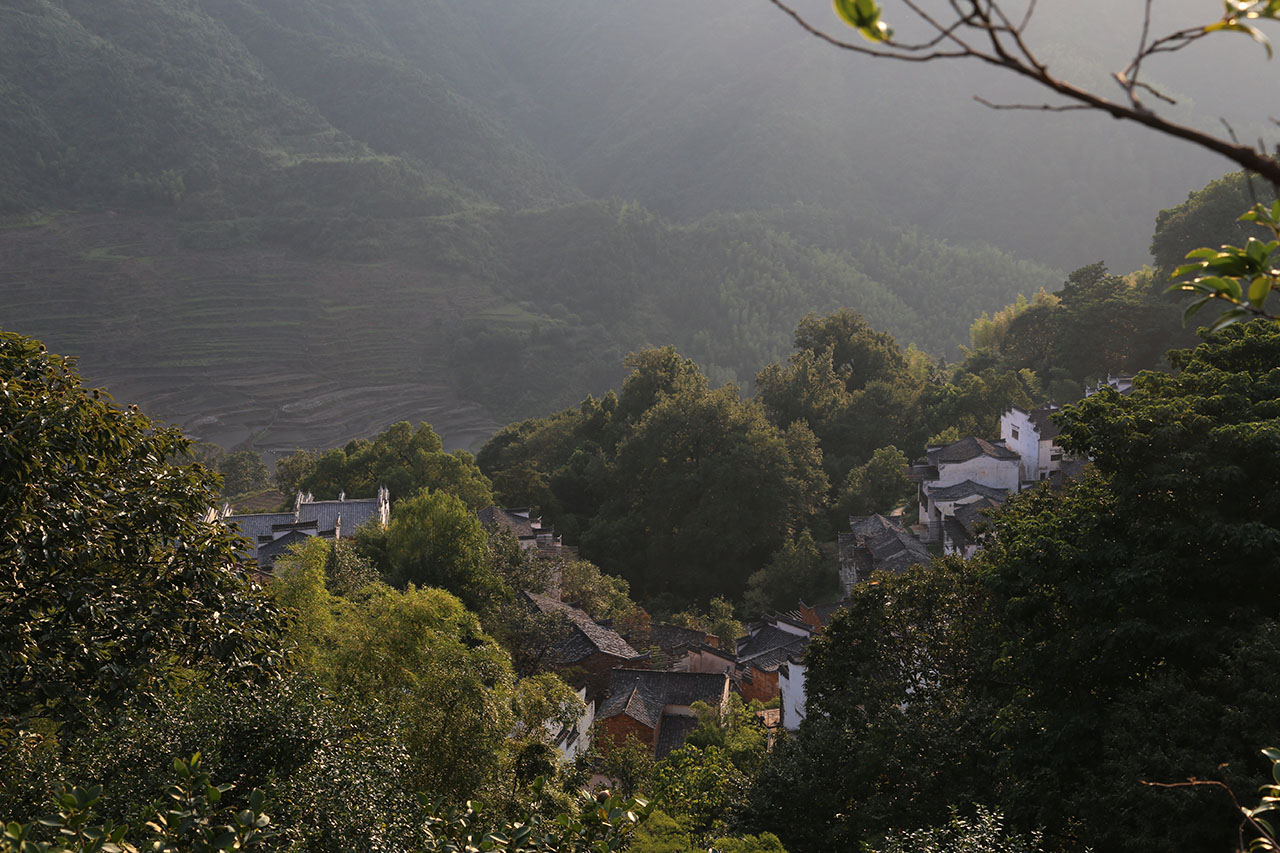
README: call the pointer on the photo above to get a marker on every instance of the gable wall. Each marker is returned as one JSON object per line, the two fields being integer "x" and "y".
{"x": 1026, "y": 445}
{"x": 619, "y": 726}
{"x": 996, "y": 473}
{"x": 763, "y": 686}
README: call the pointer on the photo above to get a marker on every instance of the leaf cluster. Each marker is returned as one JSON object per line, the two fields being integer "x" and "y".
{"x": 105, "y": 532}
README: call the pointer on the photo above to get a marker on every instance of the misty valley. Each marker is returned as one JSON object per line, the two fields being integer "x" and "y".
{"x": 431, "y": 425}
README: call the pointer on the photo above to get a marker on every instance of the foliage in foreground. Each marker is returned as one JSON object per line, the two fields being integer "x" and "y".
{"x": 103, "y": 532}
{"x": 192, "y": 818}
{"x": 982, "y": 833}
{"x": 1115, "y": 631}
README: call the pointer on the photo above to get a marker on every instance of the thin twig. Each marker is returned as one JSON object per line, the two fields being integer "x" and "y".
{"x": 1049, "y": 108}
{"x": 864, "y": 49}
{"x": 1026, "y": 18}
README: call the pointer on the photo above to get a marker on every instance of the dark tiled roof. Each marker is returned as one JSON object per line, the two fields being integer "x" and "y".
{"x": 321, "y": 516}
{"x": 769, "y": 647}
{"x": 903, "y": 560}
{"x": 673, "y": 732}
{"x": 673, "y": 638}
{"x": 571, "y": 648}
{"x": 325, "y": 513}
{"x": 637, "y": 703}
{"x": 876, "y": 543}
{"x": 922, "y": 472}
{"x": 296, "y": 525}
{"x": 869, "y": 525}
{"x": 970, "y": 515}
{"x": 970, "y": 448}
{"x": 593, "y": 636}
{"x": 259, "y": 524}
{"x": 966, "y": 489}
{"x": 521, "y": 526}
{"x": 1043, "y": 423}
{"x": 642, "y": 693}
{"x": 271, "y": 551}
{"x": 884, "y": 545}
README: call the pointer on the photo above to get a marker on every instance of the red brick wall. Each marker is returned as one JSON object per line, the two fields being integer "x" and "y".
{"x": 619, "y": 726}
{"x": 762, "y": 686}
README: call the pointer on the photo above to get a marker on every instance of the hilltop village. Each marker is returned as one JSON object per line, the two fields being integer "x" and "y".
{"x": 714, "y": 620}
{"x": 644, "y": 680}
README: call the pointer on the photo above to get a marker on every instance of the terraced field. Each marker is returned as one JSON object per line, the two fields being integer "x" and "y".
{"x": 246, "y": 348}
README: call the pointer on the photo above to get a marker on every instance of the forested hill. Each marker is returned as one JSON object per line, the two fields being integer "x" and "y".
{"x": 275, "y": 221}
{"x": 138, "y": 102}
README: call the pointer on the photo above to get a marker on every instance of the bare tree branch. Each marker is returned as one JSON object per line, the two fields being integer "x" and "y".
{"x": 1005, "y": 47}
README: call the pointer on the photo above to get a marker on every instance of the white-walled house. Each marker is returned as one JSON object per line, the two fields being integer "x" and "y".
{"x": 791, "y": 691}
{"x": 573, "y": 740}
{"x": 272, "y": 534}
{"x": 960, "y": 473}
{"x": 1033, "y": 436}
{"x": 1121, "y": 384}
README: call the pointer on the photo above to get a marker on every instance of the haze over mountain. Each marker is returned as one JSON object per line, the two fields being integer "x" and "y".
{"x": 291, "y": 222}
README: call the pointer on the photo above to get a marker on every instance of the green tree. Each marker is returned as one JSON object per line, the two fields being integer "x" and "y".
{"x": 104, "y": 533}
{"x": 331, "y": 766}
{"x": 291, "y": 469}
{"x": 186, "y": 821}
{"x": 1209, "y": 217}
{"x": 451, "y": 689}
{"x": 628, "y": 765}
{"x": 982, "y": 833}
{"x": 860, "y": 355}
{"x": 878, "y": 486}
{"x": 1110, "y": 632}
{"x": 850, "y": 384}
{"x": 719, "y": 621}
{"x": 707, "y": 491}
{"x": 972, "y": 403}
{"x": 404, "y": 460}
{"x": 663, "y": 834}
{"x": 434, "y": 539}
{"x": 797, "y": 572}
{"x": 700, "y": 786}
{"x": 603, "y": 596}
{"x": 243, "y": 471}
{"x": 736, "y": 729}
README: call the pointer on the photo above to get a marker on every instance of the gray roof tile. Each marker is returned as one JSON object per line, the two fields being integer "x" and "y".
{"x": 325, "y": 513}
{"x": 966, "y": 489}
{"x": 594, "y": 636}
{"x": 642, "y": 693}
{"x": 970, "y": 448}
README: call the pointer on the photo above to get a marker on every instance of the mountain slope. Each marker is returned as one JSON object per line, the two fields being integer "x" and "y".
{"x": 247, "y": 215}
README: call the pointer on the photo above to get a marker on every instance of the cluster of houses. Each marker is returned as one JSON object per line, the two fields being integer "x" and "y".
{"x": 642, "y": 681}
{"x": 270, "y": 535}
{"x": 956, "y": 485}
